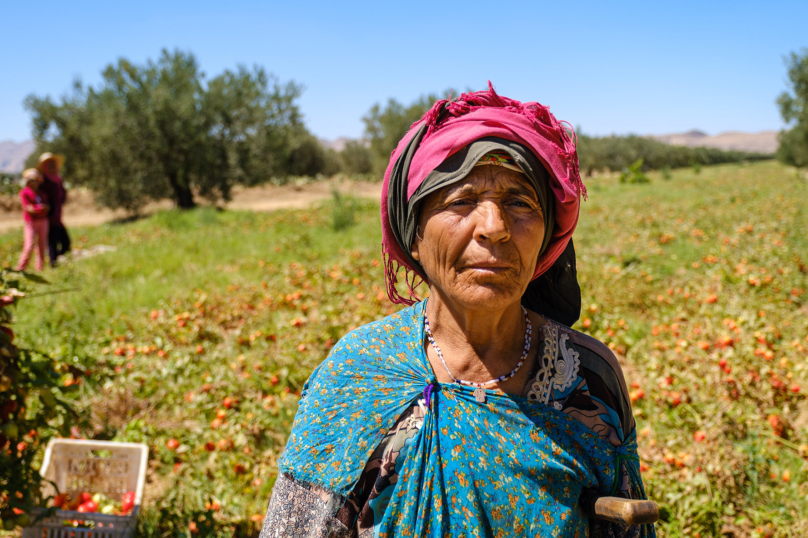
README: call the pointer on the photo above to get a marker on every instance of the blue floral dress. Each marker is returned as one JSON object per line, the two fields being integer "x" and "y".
{"x": 379, "y": 448}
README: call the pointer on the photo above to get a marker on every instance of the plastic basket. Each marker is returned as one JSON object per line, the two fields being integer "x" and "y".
{"x": 95, "y": 466}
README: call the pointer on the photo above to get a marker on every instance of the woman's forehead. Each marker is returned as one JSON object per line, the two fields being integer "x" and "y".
{"x": 492, "y": 178}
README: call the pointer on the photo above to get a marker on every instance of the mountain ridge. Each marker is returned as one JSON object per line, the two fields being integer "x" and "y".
{"x": 13, "y": 155}
{"x": 760, "y": 142}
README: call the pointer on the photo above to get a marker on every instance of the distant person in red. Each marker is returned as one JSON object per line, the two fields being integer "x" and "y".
{"x": 58, "y": 241}
{"x": 35, "y": 210}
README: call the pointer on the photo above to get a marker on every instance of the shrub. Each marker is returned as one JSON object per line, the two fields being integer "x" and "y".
{"x": 794, "y": 110}
{"x": 343, "y": 214}
{"x": 32, "y": 408}
{"x": 356, "y": 158}
{"x": 634, "y": 173}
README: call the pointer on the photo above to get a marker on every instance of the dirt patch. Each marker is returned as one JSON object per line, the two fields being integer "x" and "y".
{"x": 82, "y": 211}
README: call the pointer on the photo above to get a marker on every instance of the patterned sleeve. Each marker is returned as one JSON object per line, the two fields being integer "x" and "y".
{"x": 604, "y": 405}
{"x": 301, "y": 510}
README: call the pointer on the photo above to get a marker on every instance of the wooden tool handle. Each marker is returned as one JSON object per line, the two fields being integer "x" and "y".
{"x": 625, "y": 511}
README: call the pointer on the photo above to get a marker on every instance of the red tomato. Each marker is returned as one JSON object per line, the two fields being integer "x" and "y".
{"x": 172, "y": 444}
{"x": 84, "y": 497}
{"x": 128, "y": 502}
{"x": 89, "y": 506}
{"x": 59, "y": 500}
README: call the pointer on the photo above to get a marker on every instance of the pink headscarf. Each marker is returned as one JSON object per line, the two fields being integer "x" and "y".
{"x": 471, "y": 117}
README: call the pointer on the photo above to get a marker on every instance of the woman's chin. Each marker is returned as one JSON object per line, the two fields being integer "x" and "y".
{"x": 490, "y": 296}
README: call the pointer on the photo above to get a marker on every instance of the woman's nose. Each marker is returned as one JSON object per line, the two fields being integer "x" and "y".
{"x": 491, "y": 223}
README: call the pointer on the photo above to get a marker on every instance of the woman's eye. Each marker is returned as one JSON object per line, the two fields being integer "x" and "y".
{"x": 458, "y": 203}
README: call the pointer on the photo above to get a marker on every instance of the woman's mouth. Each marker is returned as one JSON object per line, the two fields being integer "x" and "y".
{"x": 488, "y": 267}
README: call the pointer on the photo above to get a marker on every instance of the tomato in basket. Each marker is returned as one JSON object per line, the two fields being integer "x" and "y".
{"x": 71, "y": 503}
{"x": 128, "y": 502}
{"x": 89, "y": 506}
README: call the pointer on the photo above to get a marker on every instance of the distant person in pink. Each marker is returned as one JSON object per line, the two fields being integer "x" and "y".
{"x": 50, "y": 164}
{"x": 35, "y": 210}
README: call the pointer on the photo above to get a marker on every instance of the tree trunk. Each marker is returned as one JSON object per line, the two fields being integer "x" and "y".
{"x": 183, "y": 196}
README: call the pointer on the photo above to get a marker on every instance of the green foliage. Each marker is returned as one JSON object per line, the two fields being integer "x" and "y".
{"x": 343, "y": 212}
{"x": 309, "y": 157}
{"x": 619, "y": 152}
{"x": 794, "y": 110}
{"x": 9, "y": 184}
{"x": 159, "y": 131}
{"x": 356, "y": 158}
{"x": 666, "y": 172}
{"x": 34, "y": 406}
{"x": 696, "y": 167}
{"x": 634, "y": 173}
{"x": 683, "y": 280}
{"x": 9, "y": 189}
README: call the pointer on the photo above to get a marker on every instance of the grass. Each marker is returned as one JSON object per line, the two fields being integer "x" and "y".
{"x": 697, "y": 282}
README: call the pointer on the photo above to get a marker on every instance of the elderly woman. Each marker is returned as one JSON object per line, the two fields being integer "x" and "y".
{"x": 478, "y": 411}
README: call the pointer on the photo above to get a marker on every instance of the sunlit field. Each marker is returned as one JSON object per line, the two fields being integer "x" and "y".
{"x": 202, "y": 326}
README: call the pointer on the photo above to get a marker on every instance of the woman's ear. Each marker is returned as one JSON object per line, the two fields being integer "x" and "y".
{"x": 414, "y": 250}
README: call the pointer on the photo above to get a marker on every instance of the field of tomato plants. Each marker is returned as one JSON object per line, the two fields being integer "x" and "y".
{"x": 196, "y": 334}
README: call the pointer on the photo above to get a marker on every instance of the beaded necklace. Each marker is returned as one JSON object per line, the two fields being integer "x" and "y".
{"x": 479, "y": 393}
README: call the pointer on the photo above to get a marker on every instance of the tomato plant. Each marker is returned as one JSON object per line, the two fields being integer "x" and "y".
{"x": 33, "y": 408}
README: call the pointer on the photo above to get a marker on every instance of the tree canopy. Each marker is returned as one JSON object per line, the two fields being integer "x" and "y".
{"x": 160, "y": 130}
{"x": 385, "y": 126}
{"x": 794, "y": 109}
{"x": 620, "y": 152}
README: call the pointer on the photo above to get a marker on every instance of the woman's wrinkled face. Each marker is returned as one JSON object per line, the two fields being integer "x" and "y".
{"x": 478, "y": 240}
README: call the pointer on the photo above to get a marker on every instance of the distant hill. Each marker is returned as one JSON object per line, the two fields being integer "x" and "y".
{"x": 13, "y": 155}
{"x": 762, "y": 142}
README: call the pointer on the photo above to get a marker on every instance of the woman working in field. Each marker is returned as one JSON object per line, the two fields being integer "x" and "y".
{"x": 476, "y": 412}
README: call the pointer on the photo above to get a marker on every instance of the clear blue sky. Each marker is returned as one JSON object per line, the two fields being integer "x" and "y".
{"x": 609, "y": 67}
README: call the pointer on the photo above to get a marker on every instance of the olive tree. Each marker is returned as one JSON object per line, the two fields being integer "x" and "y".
{"x": 161, "y": 130}
{"x": 385, "y": 126}
{"x": 794, "y": 109}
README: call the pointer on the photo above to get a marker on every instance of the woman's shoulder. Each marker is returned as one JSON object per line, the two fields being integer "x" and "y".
{"x": 392, "y": 331}
{"x": 603, "y": 373}
{"x": 595, "y": 350}
{"x": 379, "y": 345}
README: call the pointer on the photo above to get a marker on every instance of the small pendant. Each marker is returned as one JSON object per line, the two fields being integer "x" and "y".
{"x": 479, "y": 395}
